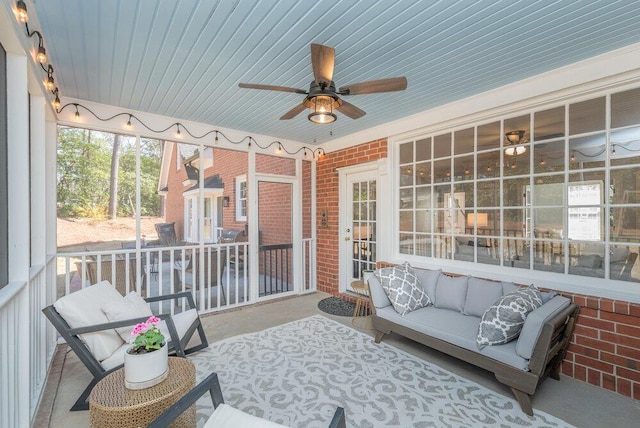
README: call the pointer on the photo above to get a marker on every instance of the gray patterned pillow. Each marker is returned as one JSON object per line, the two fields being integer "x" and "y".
{"x": 503, "y": 321}
{"x": 403, "y": 288}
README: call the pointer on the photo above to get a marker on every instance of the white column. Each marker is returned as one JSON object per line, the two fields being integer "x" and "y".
{"x": 18, "y": 205}
{"x": 38, "y": 181}
{"x": 252, "y": 221}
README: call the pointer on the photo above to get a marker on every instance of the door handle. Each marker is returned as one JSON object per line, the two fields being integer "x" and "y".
{"x": 347, "y": 238}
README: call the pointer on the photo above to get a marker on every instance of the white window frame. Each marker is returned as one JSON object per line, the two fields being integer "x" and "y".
{"x": 241, "y": 179}
{"x": 192, "y": 212}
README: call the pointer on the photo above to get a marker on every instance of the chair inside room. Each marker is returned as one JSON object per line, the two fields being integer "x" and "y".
{"x": 96, "y": 322}
{"x": 215, "y": 261}
{"x": 225, "y": 415}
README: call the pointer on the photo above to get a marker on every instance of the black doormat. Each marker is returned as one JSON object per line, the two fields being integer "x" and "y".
{"x": 336, "y": 306}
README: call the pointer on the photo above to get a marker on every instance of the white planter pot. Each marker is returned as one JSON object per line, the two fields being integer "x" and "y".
{"x": 146, "y": 370}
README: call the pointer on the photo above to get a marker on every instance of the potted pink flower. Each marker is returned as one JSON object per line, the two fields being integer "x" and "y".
{"x": 146, "y": 362}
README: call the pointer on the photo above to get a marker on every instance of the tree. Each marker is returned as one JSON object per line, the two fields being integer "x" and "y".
{"x": 113, "y": 181}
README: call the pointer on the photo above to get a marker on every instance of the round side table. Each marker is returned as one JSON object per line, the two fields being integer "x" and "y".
{"x": 112, "y": 405}
{"x": 362, "y": 309}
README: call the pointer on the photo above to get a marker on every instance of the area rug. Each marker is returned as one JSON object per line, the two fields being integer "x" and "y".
{"x": 296, "y": 374}
{"x": 337, "y": 306}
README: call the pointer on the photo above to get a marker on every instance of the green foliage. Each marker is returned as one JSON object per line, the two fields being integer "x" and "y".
{"x": 84, "y": 168}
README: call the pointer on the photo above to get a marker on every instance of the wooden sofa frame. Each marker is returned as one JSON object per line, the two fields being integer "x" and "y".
{"x": 545, "y": 361}
{"x": 177, "y": 345}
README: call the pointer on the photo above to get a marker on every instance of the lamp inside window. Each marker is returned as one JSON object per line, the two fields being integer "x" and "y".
{"x": 514, "y": 139}
{"x": 321, "y": 109}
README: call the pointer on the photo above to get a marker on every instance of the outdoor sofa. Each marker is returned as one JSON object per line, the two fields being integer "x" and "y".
{"x": 451, "y": 323}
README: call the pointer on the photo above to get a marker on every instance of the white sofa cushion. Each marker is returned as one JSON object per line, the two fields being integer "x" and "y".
{"x": 503, "y": 321}
{"x": 451, "y": 292}
{"x": 403, "y": 288}
{"x": 83, "y": 308}
{"x": 227, "y": 416}
{"x": 535, "y": 321}
{"x": 130, "y": 307}
{"x": 481, "y": 294}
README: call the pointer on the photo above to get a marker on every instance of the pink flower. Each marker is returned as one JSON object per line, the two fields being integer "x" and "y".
{"x": 153, "y": 320}
{"x": 139, "y": 328}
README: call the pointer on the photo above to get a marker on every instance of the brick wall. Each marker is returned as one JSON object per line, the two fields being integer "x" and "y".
{"x": 605, "y": 348}
{"x": 327, "y": 200}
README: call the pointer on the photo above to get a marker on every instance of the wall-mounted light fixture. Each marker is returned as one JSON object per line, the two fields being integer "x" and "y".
{"x": 514, "y": 138}
{"x": 225, "y": 202}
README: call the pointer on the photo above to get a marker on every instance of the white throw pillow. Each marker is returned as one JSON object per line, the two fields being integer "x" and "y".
{"x": 130, "y": 307}
{"x": 503, "y": 321}
{"x": 84, "y": 308}
{"x": 403, "y": 288}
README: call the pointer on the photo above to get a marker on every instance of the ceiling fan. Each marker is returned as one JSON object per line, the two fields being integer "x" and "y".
{"x": 322, "y": 99}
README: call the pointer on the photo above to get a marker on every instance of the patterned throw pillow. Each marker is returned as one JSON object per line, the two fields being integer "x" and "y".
{"x": 403, "y": 288}
{"x": 503, "y": 321}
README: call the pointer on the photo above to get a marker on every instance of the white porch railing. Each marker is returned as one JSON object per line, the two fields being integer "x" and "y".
{"x": 27, "y": 343}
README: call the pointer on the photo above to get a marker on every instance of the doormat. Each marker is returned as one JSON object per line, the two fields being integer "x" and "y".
{"x": 337, "y": 306}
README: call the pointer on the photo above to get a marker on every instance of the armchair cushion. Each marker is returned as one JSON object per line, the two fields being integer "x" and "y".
{"x": 129, "y": 307}
{"x": 226, "y": 416}
{"x": 84, "y": 308}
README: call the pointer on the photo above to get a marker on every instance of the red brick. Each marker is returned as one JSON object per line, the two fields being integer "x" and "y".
{"x": 634, "y": 310}
{"x": 606, "y": 305}
{"x": 628, "y": 374}
{"x": 592, "y": 363}
{"x": 628, "y": 330}
{"x": 609, "y": 382}
{"x": 636, "y": 391}
{"x": 594, "y": 377}
{"x": 567, "y": 368}
{"x": 595, "y": 344}
{"x": 619, "y": 360}
{"x": 620, "y": 339}
{"x": 623, "y": 386}
{"x": 580, "y": 372}
{"x": 581, "y": 330}
{"x": 580, "y": 300}
{"x": 629, "y": 352}
{"x": 583, "y": 350}
{"x": 596, "y": 323}
{"x": 621, "y": 307}
{"x": 620, "y": 318}
{"x": 593, "y": 302}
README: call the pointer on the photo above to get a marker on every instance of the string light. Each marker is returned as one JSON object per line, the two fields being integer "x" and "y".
{"x": 77, "y": 114}
{"x": 21, "y": 12}
{"x": 50, "y": 83}
{"x": 178, "y": 133}
{"x": 613, "y": 150}
{"x": 216, "y": 139}
{"x": 56, "y": 101}
{"x": 279, "y": 150}
{"x": 128, "y": 125}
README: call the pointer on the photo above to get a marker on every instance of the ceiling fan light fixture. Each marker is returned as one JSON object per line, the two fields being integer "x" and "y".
{"x": 515, "y": 138}
{"x": 321, "y": 109}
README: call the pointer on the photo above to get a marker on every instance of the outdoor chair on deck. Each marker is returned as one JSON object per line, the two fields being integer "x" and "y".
{"x": 96, "y": 323}
{"x": 215, "y": 262}
{"x": 225, "y": 415}
{"x": 117, "y": 275}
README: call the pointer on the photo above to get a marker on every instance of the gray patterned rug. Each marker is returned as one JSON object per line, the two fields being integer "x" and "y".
{"x": 297, "y": 373}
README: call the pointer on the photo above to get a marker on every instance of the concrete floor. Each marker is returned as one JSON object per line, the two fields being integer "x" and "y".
{"x": 575, "y": 402}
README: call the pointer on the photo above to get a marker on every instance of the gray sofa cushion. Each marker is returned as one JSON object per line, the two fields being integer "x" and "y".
{"x": 429, "y": 280}
{"x": 533, "y": 324}
{"x": 451, "y": 292}
{"x": 403, "y": 288}
{"x": 481, "y": 294}
{"x": 455, "y": 328}
{"x": 378, "y": 296}
{"x": 503, "y": 321}
{"x": 508, "y": 287}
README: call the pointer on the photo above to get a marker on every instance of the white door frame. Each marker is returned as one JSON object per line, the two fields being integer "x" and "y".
{"x": 378, "y": 171}
{"x": 296, "y": 235}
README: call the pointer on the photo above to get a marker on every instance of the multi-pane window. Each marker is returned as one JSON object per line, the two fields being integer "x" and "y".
{"x": 241, "y": 198}
{"x": 555, "y": 190}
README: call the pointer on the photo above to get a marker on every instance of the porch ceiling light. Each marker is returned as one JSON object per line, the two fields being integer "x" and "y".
{"x": 515, "y": 139}
{"x": 321, "y": 109}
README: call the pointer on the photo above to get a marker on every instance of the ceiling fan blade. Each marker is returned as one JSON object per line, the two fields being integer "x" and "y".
{"x": 272, "y": 88}
{"x": 350, "y": 110}
{"x": 375, "y": 86}
{"x": 322, "y": 61}
{"x": 293, "y": 112}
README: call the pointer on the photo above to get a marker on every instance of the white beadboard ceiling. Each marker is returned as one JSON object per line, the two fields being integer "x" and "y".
{"x": 185, "y": 58}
